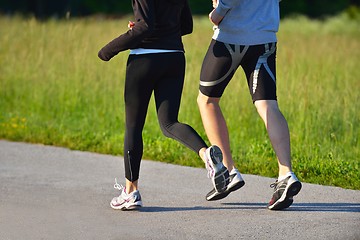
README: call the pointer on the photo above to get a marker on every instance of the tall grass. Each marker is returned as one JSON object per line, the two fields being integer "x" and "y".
{"x": 54, "y": 90}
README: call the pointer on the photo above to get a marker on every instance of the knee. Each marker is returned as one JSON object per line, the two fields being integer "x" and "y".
{"x": 267, "y": 108}
{"x": 266, "y": 105}
{"x": 204, "y": 101}
{"x": 166, "y": 129}
{"x": 200, "y": 100}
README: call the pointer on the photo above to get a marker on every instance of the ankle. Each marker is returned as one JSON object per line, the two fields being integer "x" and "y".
{"x": 288, "y": 174}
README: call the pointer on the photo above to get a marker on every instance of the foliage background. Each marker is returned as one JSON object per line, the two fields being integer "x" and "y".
{"x": 54, "y": 90}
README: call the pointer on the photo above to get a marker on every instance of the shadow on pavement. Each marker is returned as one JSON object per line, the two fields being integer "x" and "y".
{"x": 311, "y": 207}
{"x": 304, "y": 207}
{"x": 227, "y": 206}
{"x": 326, "y": 207}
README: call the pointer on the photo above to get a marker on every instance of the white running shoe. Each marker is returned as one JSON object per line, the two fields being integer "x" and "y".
{"x": 217, "y": 172}
{"x": 236, "y": 182}
{"x": 125, "y": 201}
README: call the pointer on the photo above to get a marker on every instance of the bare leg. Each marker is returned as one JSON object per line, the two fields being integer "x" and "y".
{"x": 201, "y": 154}
{"x": 131, "y": 186}
{"x": 278, "y": 132}
{"x": 215, "y": 126}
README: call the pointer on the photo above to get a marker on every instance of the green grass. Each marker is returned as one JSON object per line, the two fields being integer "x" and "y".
{"x": 54, "y": 90}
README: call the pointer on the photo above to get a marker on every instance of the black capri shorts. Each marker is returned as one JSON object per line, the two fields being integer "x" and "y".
{"x": 222, "y": 60}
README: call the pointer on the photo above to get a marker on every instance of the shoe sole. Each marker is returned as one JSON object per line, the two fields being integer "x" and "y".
{"x": 221, "y": 178}
{"x": 287, "y": 198}
{"x": 132, "y": 208}
{"x": 127, "y": 207}
{"x": 218, "y": 196}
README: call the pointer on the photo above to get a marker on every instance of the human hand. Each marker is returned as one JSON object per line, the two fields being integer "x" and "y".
{"x": 215, "y": 3}
{"x": 131, "y": 24}
{"x": 215, "y": 18}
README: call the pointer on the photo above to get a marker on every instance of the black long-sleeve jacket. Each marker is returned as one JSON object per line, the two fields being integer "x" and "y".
{"x": 159, "y": 24}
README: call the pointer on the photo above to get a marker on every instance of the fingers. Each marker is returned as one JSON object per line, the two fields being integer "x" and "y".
{"x": 131, "y": 24}
{"x": 214, "y": 3}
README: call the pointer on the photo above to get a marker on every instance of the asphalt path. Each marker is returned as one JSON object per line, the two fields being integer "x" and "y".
{"x": 50, "y": 192}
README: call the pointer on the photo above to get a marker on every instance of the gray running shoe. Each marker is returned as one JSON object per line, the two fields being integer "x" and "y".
{"x": 217, "y": 172}
{"x": 284, "y": 192}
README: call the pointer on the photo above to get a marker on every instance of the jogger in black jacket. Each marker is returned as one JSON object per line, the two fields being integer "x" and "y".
{"x": 157, "y": 64}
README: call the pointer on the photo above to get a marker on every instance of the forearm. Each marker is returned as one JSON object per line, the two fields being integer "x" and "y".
{"x": 126, "y": 41}
{"x": 223, "y": 6}
{"x": 139, "y": 30}
{"x": 215, "y": 18}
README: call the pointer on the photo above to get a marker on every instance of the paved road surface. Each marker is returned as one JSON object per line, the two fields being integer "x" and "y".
{"x": 55, "y": 193}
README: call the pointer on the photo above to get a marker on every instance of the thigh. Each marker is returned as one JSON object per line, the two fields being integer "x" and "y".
{"x": 216, "y": 70}
{"x": 169, "y": 87}
{"x": 138, "y": 89}
{"x": 260, "y": 69}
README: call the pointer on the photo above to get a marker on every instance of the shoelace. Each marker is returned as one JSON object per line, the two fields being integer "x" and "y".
{"x": 118, "y": 186}
{"x": 274, "y": 185}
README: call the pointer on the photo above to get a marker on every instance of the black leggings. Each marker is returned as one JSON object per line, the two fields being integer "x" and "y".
{"x": 164, "y": 74}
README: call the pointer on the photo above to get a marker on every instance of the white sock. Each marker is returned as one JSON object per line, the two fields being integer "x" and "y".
{"x": 234, "y": 170}
{"x": 288, "y": 174}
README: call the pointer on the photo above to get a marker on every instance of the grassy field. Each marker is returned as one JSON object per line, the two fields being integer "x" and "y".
{"x": 54, "y": 90}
